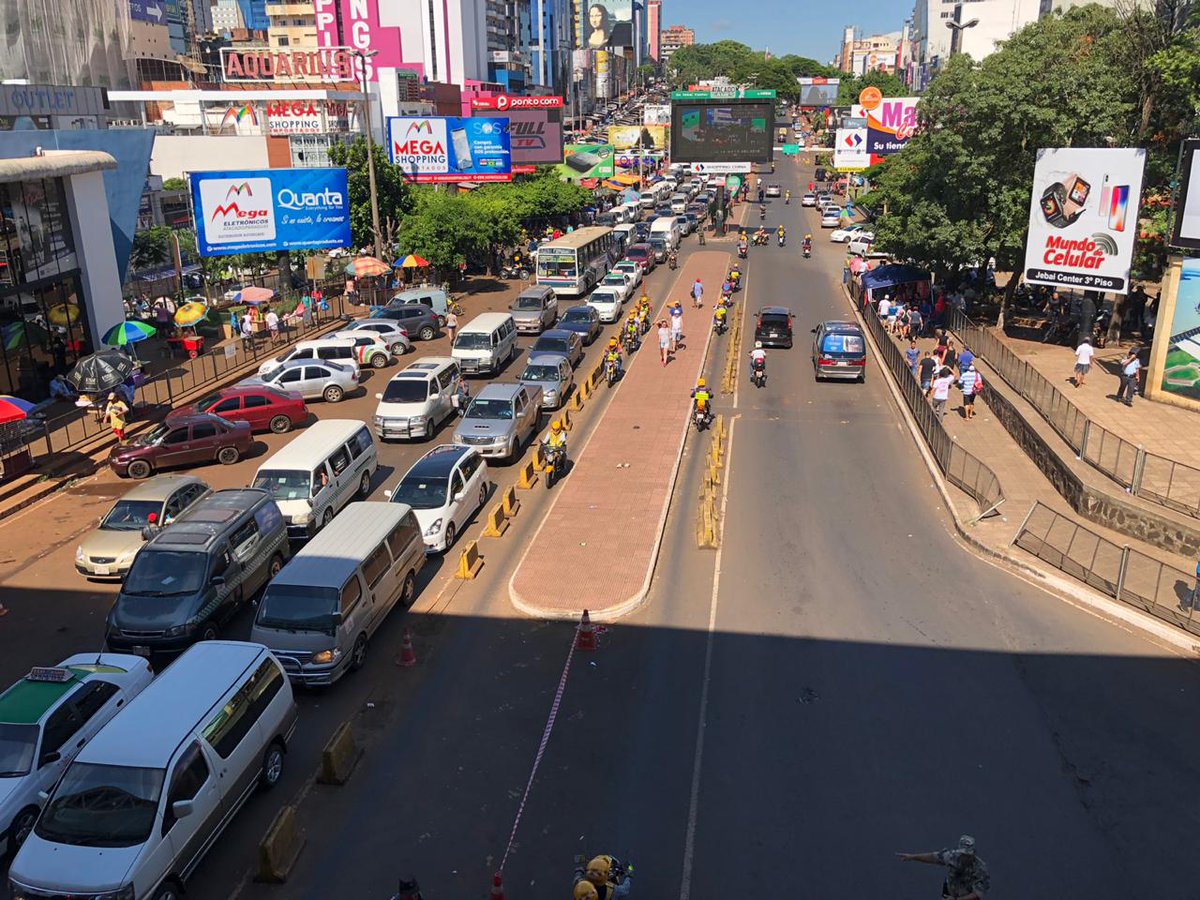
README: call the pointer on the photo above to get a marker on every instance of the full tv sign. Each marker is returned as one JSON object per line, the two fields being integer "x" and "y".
{"x": 535, "y": 127}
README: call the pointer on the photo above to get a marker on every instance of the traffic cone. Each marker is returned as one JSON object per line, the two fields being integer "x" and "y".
{"x": 497, "y": 887}
{"x": 585, "y": 638}
{"x": 408, "y": 656}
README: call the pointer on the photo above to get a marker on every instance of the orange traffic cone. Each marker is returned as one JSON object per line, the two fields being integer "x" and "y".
{"x": 585, "y": 638}
{"x": 497, "y": 887}
{"x": 408, "y": 656}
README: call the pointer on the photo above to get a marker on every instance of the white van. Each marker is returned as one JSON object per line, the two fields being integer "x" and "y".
{"x": 668, "y": 228}
{"x": 321, "y": 470}
{"x": 485, "y": 343}
{"x": 628, "y": 231}
{"x": 332, "y": 349}
{"x": 679, "y": 204}
{"x": 418, "y": 399}
{"x": 144, "y": 800}
{"x": 319, "y": 613}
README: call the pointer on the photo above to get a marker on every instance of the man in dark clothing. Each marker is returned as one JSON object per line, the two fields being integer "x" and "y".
{"x": 925, "y": 371}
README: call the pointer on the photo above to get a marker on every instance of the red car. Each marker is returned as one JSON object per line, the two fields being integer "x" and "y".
{"x": 643, "y": 255}
{"x": 184, "y": 441}
{"x": 265, "y": 408}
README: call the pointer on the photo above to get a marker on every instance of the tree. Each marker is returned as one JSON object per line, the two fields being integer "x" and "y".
{"x": 174, "y": 184}
{"x": 889, "y": 85}
{"x": 151, "y": 249}
{"x": 392, "y": 189}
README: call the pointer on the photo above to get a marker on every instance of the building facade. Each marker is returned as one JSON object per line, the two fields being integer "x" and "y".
{"x": 227, "y": 16}
{"x": 876, "y": 53}
{"x": 293, "y": 26}
{"x": 654, "y": 28}
{"x": 673, "y": 38}
{"x": 997, "y": 21}
{"x": 95, "y": 53}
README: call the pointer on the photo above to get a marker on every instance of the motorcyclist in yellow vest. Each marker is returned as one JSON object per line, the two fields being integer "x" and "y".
{"x": 557, "y": 439}
{"x": 631, "y": 329}
{"x": 701, "y": 397}
{"x": 612, "y": 353}
{"x": 643, "y": 314}
{"x": 598, "y": 881}
{"x": 720, "y": 313}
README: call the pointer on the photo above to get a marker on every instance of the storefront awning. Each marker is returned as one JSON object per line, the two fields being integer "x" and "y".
{"x": 892, "y": 275}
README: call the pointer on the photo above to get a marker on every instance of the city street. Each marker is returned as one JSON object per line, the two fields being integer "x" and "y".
{"x": 841, "y": 680}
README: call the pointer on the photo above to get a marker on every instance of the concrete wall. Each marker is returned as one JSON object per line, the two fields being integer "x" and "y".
{"x": 175, "y": 154}
{"x": 90, "y": 227}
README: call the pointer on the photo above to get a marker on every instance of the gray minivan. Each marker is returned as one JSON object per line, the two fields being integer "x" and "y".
{"x": 319, "y": 613}
{"x": 191, "y": 578}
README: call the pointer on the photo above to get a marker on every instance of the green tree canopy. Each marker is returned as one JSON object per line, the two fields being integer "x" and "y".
{"x": 393, "y": 191}
{"x": 742, "y": 65}
{"x": 851, "y": 86}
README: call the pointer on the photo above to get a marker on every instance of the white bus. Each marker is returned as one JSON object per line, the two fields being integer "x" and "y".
{"x": 575, "y": 263}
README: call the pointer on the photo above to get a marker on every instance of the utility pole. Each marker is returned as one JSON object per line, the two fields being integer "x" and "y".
{"x": 957, "y": 26}
{"x": 363, "y": 56}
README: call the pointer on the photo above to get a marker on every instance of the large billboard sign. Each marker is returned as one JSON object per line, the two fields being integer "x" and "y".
{"x": 714, "y": 131}
{"x": 819, "y": 91}
{"x": 582, "y": 161}
{"x": 607, "y": 24}
{"x": 1083, "y": 218}
{"x": 642, "y": 137}
{"x": 1186, "y": 232}
{"x": 260, "y": 64}
{"x": 656, "y": 114}
{"x": 357, "y": 23}
{"x": 850, "y": 149}
{"x": 891, "y": 121}
{"x": 534, "y": 126}
{"x": 261, "y": 210}
{"x": 439, "y": 149}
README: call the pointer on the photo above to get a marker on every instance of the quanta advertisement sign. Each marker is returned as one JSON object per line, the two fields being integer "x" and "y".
{"x": 534, "y": 129}
{"x": 1083, "y": 218}
{"x": 440, "y": 149}
{"x": 713, "y": 131}
{"x": 260, "y": 210}
{"x": 581, "y": 161}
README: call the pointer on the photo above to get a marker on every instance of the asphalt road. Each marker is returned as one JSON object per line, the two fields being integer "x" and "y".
{"x": 840, "y": 681}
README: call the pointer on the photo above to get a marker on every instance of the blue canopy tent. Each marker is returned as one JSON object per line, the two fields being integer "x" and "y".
{"x": 892, "y": 276}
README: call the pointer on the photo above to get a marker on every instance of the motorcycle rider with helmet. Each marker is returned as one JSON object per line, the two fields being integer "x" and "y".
{"x": 758, "y": 359}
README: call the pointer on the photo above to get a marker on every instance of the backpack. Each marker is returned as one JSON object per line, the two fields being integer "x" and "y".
{"x": 978, "y": 389}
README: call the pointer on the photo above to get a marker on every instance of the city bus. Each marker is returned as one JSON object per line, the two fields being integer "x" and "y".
{"x": 572, "y": 265}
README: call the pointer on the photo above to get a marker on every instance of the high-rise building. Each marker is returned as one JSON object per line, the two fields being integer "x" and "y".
{"x": 293, "y": 26}
{"x": 654, "y": 27}
{"x": 876, "y": 53}
{"x": 675, "y": 37}
{"x": 548, "y": 43}
{"x": 66, "y": 42}
{"x": 226, "y": 16}
{"x": 995, "y": 20}
{"x": 254, "y": 14}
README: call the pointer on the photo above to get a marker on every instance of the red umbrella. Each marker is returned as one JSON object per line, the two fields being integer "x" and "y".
{"x": 13, "y": 409}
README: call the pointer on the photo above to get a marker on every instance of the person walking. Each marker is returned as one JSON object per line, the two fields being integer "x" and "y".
{"x": 970, "y": 384}
{"x": 913, "y": 356}
{"x": 941, "y": 392}
{"x": 116, "y": 413}
{"x": 676, "y": 326}
{"x": 1130, "y": 366}
{"x": 272, "y": 320}
{"x": 698, "y": 293}
{"x": 451, "y": 324}
{"x": 1191, "y": 601}
{"x": 965, "y": 359}
{"x": 925, "y": 370}
{"x": 664, "y": 340}
{"x": 1083, "y": 360}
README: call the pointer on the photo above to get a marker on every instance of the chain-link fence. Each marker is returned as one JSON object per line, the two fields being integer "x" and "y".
{"x": 1151, "y": 476}
{"x": 1113, "y": 569}
{"x": 960, "y": 467}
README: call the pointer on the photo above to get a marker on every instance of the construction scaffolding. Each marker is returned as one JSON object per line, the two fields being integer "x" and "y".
{"x": 83, "y": 42}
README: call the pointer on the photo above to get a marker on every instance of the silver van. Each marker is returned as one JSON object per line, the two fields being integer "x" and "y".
{"x": 416, "y": 401}
{"x": 340, "y": 350}
{"x": 485, "y": 343}
{"x": 319, "y": 613}
{"x": 146, "y": 798}
{"x": 318, "y": 473}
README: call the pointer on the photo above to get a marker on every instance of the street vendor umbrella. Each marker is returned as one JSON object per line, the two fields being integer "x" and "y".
{"x": 100, "y": 372}
{"x": 15, "y": 335}
{"x": 366, "y": 266}
{"x": 63, "y": 314}
{"x": 412, "y": 261}
{"x": 128, "y": 333}
{"x": 13, "y": 409}
{"x": 253, "y": 295}
{"x": 190, "y": 313}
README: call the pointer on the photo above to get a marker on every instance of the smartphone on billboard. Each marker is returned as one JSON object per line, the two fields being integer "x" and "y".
{"x": 1119, "y": 207}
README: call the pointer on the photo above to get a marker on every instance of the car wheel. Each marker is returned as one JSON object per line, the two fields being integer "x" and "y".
{"x": 379, "y": 360}
{"x": 483, "y": 492}
{"x": 227, "y": 456}
{"x": 358, "y": 654}
{"x": 168, "y": 891}
{"x": 281, "y": 425}
{"x": 451, "y": 534}
{"x": 139, "y": 468}
{"x": 364, "y": 486}
{"x": 272, "y": 767}
{"x": 22, "y": 826}
{"x": 398, "y": 349}
{"x": 427, "y": 333}
{"x": 276, "y": 566}
{"x": 409, "y": 592}
{"x": 333, "y": 394}
{"x": 327, "y": 518}
{"x": 209, "y": 632}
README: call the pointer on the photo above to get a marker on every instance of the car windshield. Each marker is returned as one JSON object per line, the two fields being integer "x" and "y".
{"x": 299, "y": 607}
{"x": 603, "y": 297}
{"x": 614, "y": 279}
{"x": 483, "y": 408}
{"x": 130, "y": 515}
{"x": 406, "y": 390}
{"x": 534, "y": 303}
{"x": 552, "y": 345}
{"x": 577, "y": 315}
{"x": 17, "y": 743}
{"x": 421, "y": 493}
{"x": 540, "y": 373}
{"x": 166, "y": 573}
{"x": 472, "y": 340}
{"x": 102, "y": 806}
{"x": 284, "y": 484}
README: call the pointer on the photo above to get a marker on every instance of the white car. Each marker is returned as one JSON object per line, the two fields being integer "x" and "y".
{"x": 861, "y": 246}
{"x": 445, "y": 488}
{"x": 847, "y": 233}
{"x": 395, "y": 334}
{"x": 629, "y": 267}
{"x": 606, "y": 302}
{"x": 621, "y": 282}
{"x": 370, "y": 347}
{"x": 831, "y": 217}
{"x": 47, "y": 717}
{"x": 809, "y": 199}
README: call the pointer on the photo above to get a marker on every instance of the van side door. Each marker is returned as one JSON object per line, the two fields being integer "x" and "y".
{"x": 193, "y": 781}
{"x": 246, "y": 545}
{"x": 447, "y": 387}
{"x": 343, "y": 480}
{"x": 384, "y": 582}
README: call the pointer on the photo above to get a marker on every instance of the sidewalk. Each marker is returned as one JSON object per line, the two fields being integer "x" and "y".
{"x": 597, "y": 546}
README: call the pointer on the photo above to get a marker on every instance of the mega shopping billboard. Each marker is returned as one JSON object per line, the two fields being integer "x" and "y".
{"x": 534, "y": 126}
{"x": 714, "y": 131}
{"x": 260, "y": 210}
{"x": 440, "y": 149}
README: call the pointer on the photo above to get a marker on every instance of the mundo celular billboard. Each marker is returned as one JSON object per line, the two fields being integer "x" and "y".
{"x": 434, "y": 149}
{"x": 259, "y": 210}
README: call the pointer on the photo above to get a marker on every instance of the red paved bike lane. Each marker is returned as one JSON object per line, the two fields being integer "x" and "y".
{"x": 597, "y": 545}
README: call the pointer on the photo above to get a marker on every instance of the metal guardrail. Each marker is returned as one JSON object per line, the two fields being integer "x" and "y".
{"x": 1115, "y": 570}
{"x": 960, "y": 467}
{"x": 1157, "y": 478}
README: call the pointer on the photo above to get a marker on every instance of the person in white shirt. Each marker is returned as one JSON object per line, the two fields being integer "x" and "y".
{"x": 1083, "y": 361}
{"x": 885, "y": 306}
{"x": 941, "y": 392}
{"x": 758, "y": 356}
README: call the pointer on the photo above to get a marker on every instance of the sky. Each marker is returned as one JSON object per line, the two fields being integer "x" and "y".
{"x": 785, "y": 26}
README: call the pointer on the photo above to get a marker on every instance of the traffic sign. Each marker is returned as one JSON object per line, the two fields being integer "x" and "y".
{"x": 790, "y": 149}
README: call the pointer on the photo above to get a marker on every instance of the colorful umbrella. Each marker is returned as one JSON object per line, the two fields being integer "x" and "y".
{"x": 13, "y": 409}
{"x": 366, "y": 266}
{"x": 100, "y": 372}
{"x": 63, "y": 314}
{"x": 128, "y": 333}
{"x": 412, "y": 261}
{"x": 15, "y": 335}
{"x": 190, "y": 313}
{"x": 253, "y": 295}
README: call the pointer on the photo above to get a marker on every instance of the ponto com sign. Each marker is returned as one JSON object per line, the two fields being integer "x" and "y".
{"x": 421, "y": 146}
{"x": 237, "y": 210}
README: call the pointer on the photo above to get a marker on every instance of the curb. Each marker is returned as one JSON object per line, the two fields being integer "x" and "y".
{"x": 1048, "y": 580}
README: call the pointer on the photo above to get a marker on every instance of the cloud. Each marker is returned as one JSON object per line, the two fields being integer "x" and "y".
{"x": 721, "y": 26}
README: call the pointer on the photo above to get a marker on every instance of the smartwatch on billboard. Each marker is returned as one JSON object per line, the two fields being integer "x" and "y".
{"x": 1063, "y": 201}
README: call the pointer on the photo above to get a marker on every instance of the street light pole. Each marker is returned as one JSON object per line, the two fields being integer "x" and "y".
{"x": 957, "y": 26}
{"x": 363, "y": 56}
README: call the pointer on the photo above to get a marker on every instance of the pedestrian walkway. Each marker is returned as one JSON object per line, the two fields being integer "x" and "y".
{"x": 597, "y": 546}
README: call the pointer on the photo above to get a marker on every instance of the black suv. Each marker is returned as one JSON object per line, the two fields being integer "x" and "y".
{"x": 773, "y": 327}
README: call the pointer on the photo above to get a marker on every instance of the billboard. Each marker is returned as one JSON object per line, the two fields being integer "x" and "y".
{"x": 534, "y": 126}
{"x": 357, "y": 22}
{"x": 713, "y": 131}
{"x": 259, "y": 210}
{"x": 818, "y": 91}
{"x": 148, "y": 11}
{"x": 850, "y": 149}
{"x": 439, "y": 149}
{"x": 1083, "y": 218}
{"x": 891, "y": 121}
{"x": 656, "y": 114}
{"x": 606, "y": 24}
{"x": 1181, "y": 368}
{"x": 582, "y": 161}
{"x": 1186, "y": 230}
{"x": 259, "y": 64}
{"x": 643, "y": 137}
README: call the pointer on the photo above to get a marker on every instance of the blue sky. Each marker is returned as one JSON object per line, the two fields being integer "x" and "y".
{"x": 785, "y": 26}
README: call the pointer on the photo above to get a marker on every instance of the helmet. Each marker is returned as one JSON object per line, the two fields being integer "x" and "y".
{"x": 612, "y": 342}
{"x": 557, "y": 426}
{"x": 599, "y": 869}
{"x": 700, "y": 382}
{"x": 758, "y": 345}
{"x": 631, "y": 314}
{"x": 807, "y": 236}
{"x": 585, "y": 890}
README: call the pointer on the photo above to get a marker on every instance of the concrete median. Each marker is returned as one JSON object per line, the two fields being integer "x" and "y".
{"x": 469, "y": 562}
{"x": 497, "y": 524}
{"x": 339, "y": 757}
{"x": 280, "y": 848}
{"x": 509, "y": 502}
{"x": 527, "y": 475}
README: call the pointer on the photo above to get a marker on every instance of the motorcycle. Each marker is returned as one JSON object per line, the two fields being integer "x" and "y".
{"x": 762, "y": 212}
{"x": 741, "y": 251}
{"x": 621, "y": 874}
{"x": 719, "y": 324}
{"x": 673, "y": 261}
{"x": 783, "y": 240}
{"x": 629, "y": 340}
{"x": 701, "y": 417}
{"x": 807, "y": 250}
{"x": 611, "y": 372}
{"x": 787, "y": 200}
{"x": 758, "y": 372}
{"x": 408, "y": 890}
{"x": 518, "y": 273}
{"x": 554, "y": 464}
